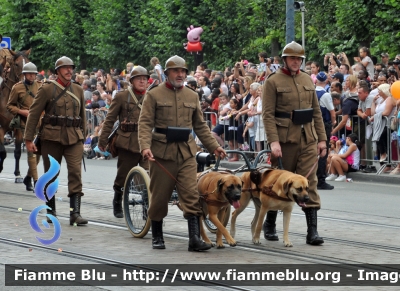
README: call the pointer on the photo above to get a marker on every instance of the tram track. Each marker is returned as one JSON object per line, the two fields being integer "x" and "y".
{"x": 322, "y": 217}
{"x": 116, "y": 263}
{"x": 249, "y": 247}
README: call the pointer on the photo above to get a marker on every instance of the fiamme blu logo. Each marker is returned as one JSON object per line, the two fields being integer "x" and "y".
{"x": 50, "y": 192}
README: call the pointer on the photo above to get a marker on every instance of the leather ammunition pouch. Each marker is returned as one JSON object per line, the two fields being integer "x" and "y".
{"x": 175, "y": 134}
{"x": 67, "y": 121}
{"x": 129, "y": 126}
{"x": 77, "y": 122}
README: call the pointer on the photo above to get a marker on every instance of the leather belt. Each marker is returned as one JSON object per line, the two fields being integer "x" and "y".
{"x": 283, "y": 114}
{"x": 161, "y": 130}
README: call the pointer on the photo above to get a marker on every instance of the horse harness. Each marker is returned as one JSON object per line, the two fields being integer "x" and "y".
{"x": 6, "y": 75}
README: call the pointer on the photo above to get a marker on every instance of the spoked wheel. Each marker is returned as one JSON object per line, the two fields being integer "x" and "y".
{"x": 136, "y": 201}
{"x": 211, "y": 227}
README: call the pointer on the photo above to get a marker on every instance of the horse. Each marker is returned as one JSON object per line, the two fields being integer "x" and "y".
{"x": 11, "y": 76}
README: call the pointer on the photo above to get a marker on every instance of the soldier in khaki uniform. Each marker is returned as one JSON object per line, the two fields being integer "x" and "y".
{"x": 63, "y": 126}
{"x": 170, "y": 111}
{"x": 126, "y": 107}
{"x": 21, "y": 98}
{"x": 294, "y": 133}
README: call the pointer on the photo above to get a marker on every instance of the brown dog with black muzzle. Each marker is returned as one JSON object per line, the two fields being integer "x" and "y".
{"x": 271, "y": 189}
{"x": 218, "y": 191}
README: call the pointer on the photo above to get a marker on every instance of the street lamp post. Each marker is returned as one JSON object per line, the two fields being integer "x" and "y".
{"x": 299, "y": 6}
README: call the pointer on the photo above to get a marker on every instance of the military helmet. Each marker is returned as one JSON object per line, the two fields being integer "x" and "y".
{"x": 293, "y": 49}
{"x": 176, "y": 62}
{"x": 29, "y": 68}
{"x": 139, "y": 71}
{"x": 64, "y": 61}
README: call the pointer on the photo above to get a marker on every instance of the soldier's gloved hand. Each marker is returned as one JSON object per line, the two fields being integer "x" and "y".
{"x": 276, "y": 149}
{"x": 147, "y": 154}
{"x": 220, "y": 152}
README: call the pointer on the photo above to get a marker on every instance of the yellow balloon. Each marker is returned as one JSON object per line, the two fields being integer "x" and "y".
{"x": 395, "y": 90}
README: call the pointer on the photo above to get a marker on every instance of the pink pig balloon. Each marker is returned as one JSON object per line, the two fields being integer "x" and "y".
{"x": 193, "y": 36}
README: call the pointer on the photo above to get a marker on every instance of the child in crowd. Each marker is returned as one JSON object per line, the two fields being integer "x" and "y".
{"x": 348, "y": 161}
{"x": 249, "y": 126}
{"x": 221, "y": 130}
{"x": 263, "y": 69}
{"x": 233, "y": 125}
{"x": 332, "y": 145}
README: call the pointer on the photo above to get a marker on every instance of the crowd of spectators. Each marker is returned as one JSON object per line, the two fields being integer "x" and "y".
{"x": 358, "y": 91}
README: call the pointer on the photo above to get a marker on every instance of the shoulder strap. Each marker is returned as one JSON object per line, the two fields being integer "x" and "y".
{"x": 53, "y": 103}
{"x": 26, "y": 95}
{"x": 68, "y": 92}
{"x": 134, "y": 98}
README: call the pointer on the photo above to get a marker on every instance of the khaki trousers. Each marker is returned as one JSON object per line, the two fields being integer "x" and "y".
{"x": 73, "y": 156}
{"x": 299, "y": 158}
{"x": 126, "y": 161}
{"x": 33, "y": 161}
{"x": 162, "y": 185}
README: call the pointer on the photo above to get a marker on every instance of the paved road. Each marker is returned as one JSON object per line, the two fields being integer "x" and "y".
{"x": 359, "y": 221}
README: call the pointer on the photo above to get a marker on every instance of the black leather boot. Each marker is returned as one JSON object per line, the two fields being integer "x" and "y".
{"x": 75, "y": 214}
{"x": 195, "y": 242}
{"x": 28, "y": 183}
{"x": 157, "y": 234}
{"x": 117, "y": 205}
{"x": 269, "y": 226}
{"x": 34, "y": 185}
{"x": 52, "y": 204}
{"x": 312, "y": 234}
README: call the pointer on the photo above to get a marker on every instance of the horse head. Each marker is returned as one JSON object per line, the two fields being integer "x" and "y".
{"x": 18, "y": 62}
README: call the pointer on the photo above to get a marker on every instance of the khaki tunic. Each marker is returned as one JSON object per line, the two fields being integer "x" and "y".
{"x": 60, "y": 141}
{"x": 119, "y": 109}
{"x": 21, "y": 99}
{"x": 163, "y": 107}
{"x": 65, "y": 106}
{"x": 284, "y": 93}
{"x": 127, "y": 142}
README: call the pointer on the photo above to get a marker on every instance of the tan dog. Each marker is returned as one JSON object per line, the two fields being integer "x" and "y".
{"x": 289, "y": 187}
{"x": 219, "y": 191}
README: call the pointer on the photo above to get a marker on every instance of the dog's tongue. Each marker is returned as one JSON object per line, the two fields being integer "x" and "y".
{"x": 236, "y": 204}
{"x": 302, "y": 204}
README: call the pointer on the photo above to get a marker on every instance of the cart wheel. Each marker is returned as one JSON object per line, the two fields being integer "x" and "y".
{"x": 136, "y": 201}
{"x": 211, "y": 227}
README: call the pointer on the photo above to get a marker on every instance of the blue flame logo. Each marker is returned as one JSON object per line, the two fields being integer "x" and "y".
{"x": 50, "y": 192}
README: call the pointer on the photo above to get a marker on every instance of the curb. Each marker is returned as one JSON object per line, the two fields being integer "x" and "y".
{"x": 356, "y": 176}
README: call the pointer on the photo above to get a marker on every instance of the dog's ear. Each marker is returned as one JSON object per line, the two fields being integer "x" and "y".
{"x": 255, "y": 177}
{"x": 286, "y": 186}
{"x": 220, "y": 184}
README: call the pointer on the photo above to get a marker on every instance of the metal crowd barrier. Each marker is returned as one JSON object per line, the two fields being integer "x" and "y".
{"x": 370, "y": 146}
{"x": 393, "y": 152}
{"x": 208, "y": 120}
{"x": 94, "y": 119}
{"x": 260, "y": 138}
